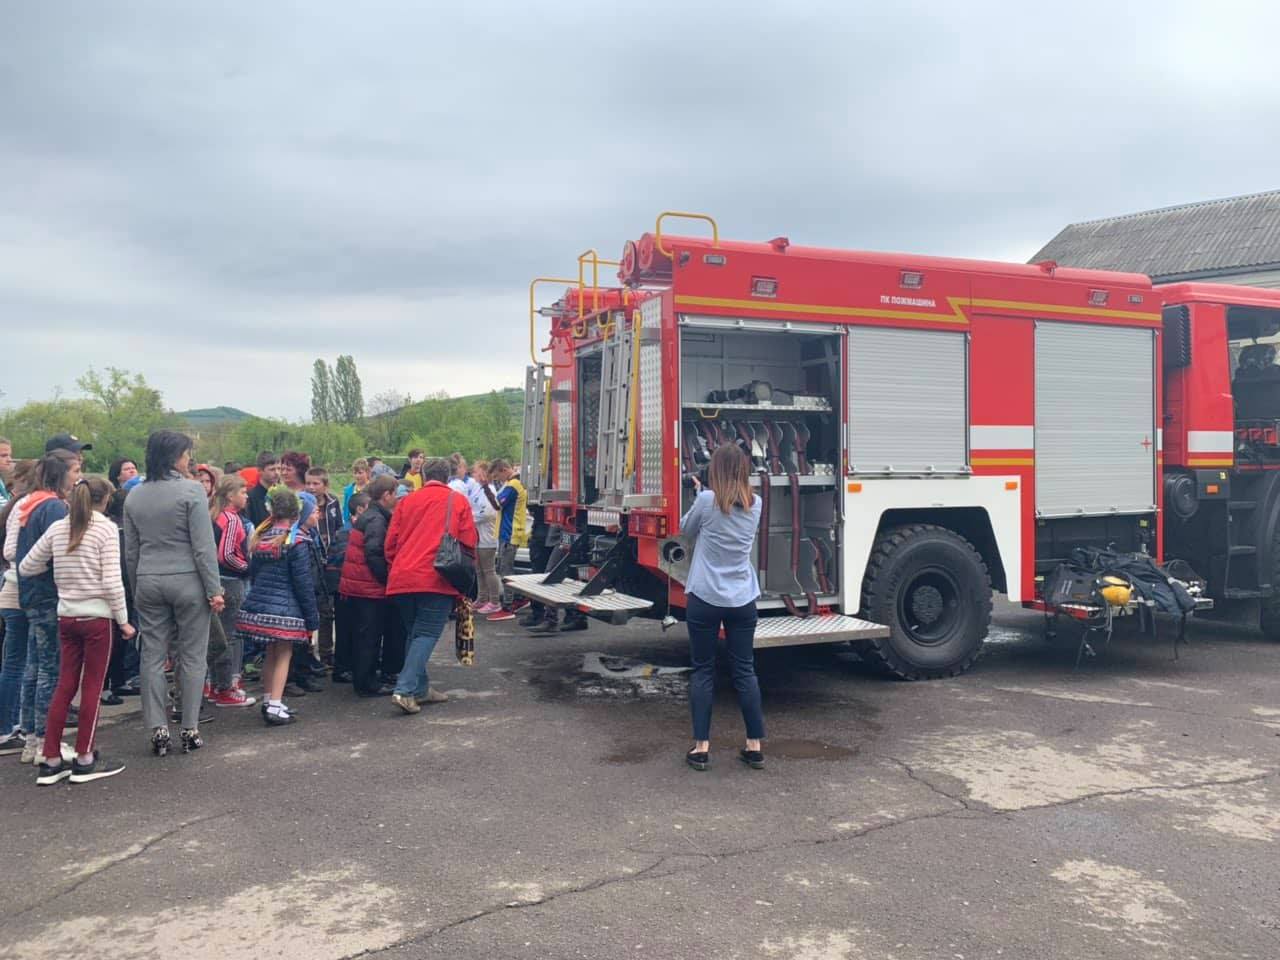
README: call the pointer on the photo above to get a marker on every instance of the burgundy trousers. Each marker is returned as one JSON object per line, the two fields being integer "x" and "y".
{"x": 86, "y": 651}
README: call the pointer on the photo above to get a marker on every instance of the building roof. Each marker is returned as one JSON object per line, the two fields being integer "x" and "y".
{"x": 1216, "y": 237}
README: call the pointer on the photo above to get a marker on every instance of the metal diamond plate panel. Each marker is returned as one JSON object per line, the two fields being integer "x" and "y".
{"x": 604, "y": 518}
{"x": 564, "y": 442}
{"x": 651, "y": 418}
{"x": 565, "y": 594}
{"x": 783, "y": 631}
{"x": 651, "y": 313}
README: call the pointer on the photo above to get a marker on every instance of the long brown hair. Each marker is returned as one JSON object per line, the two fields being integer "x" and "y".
{"x": 229, "y": 484}
{"x": 25, "y": 478}
{"x": 729, "y": 477}
{"x": 86, "y": 495}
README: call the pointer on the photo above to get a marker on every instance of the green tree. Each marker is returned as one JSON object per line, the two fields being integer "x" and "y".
{"x": 348, "y": 394}
{"x": 322, "y": 404}
{"x": 116, "y": 414}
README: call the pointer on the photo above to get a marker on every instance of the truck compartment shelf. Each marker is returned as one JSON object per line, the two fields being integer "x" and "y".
{"x": 808, "y": 480}
{"x": 822, "y": 407}
{"x": 566, "y": 594}
{"x": 832, "y": 628}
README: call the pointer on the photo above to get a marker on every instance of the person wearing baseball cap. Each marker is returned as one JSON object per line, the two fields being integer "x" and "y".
{"x": 66, "y": 441}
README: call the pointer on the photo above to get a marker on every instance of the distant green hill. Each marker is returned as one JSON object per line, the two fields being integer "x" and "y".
{"x": 514, "y": 396}
{"x": 213, "y": 416}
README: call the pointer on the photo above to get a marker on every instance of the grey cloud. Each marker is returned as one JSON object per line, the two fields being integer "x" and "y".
{"x": 259, "y": 160}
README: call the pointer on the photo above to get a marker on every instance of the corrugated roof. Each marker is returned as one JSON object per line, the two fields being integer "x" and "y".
{"x": 1217, "y": 235}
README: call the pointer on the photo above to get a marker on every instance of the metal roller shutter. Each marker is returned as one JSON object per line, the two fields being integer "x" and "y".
{"x": 908, "y": 401}
{"x": 1095, "y": 420}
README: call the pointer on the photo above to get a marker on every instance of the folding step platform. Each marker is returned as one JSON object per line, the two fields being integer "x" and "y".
{"x": 566, "y": 593}
{"x": 831, "y": 628}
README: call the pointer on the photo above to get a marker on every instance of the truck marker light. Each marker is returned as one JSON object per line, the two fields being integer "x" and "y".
{"x": 1211, "y": 488}
{"x": 911, "y": 279}
{"x": 855, "y": 488}
{"x": 764, "y": 287}
{"x": 1135, "y": 298}
{"x": 1011, "y": 484}
{"x": 714, "y": 259}
{"x": 1098, "y": 298}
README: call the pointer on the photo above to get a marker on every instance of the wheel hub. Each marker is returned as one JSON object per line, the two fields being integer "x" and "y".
{"x": 929, "y": 606}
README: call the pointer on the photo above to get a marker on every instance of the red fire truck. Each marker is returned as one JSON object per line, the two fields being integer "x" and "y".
{"x": 1222, "y": 442}
{"x": 922, "y": 431}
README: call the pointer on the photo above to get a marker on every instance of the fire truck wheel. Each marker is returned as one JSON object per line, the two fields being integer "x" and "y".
{"x": 1269, "y": 612}
{"x": 931, "y": 588}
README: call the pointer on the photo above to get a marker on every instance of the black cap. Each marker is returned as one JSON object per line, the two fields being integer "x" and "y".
{"x": 65, "y": 441}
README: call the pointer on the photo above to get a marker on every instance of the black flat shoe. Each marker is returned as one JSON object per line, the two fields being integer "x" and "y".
{"x": 110, "y": 698}
{"x": 752, "y": 758}
{"x": 699, "y": 761}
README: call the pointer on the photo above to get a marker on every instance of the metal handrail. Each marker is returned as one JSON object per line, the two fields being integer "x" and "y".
{"x": 657, "y": 238}
{"x": 634, "y": 413}
{"x": 533, "y": 312}
{"x": 595, "y": 286}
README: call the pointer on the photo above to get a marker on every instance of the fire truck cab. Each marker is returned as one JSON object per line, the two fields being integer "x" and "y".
{"x": 921, "y": 431}
{"x": 1222, "y": 442}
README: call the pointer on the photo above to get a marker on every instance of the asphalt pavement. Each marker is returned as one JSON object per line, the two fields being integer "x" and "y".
{"x": 1130, "y": 808}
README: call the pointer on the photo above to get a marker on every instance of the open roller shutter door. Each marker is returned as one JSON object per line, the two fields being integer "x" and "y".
{"x": 908, "y": 401}
{"x": 1095, "y": 416}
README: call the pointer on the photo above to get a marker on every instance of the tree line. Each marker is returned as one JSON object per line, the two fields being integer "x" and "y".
{"x": 117, "y": 409}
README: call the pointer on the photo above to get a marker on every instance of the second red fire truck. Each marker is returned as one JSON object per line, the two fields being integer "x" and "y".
{"x": 922, "y": 431}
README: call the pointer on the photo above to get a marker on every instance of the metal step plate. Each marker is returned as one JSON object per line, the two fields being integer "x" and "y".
{"x": 833, "y": 628}
{"x": 565, "y": 594}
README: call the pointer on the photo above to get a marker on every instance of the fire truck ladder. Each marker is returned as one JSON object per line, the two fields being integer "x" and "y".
{"x": 533, "y": 453}
{"x": 615, "y": 417}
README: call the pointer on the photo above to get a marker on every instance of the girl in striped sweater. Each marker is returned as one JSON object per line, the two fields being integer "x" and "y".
{"x": 84, "y": 548}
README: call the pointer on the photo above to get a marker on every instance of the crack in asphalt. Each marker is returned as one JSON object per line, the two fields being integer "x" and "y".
{"x": 1065, "y": 696}
{"x": 986, "y": 810}
{"x": 962, "y": 811}
{"x": 911, "y": 773}
{"x": 1150, "y": 788}
{"x": 131, "y": 853}
{"x": 427, "y": 935}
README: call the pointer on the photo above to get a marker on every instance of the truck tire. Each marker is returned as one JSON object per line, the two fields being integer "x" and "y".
{"x": 931, "y": 588}
{"x": 1269, "y": 613}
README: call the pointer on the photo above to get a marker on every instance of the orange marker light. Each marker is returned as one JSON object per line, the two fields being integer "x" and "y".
{"x": 855, "y": 488}
{"x": 1011, "y": 484}
{"x": 1211, "y": 488}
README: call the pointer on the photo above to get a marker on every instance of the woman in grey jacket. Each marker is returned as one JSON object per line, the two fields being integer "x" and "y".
{"x": 173, "y": 566}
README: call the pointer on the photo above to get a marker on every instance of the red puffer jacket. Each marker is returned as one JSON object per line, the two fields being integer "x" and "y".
{"x": 357, "y": 579}
{"x": 414, "y": 537}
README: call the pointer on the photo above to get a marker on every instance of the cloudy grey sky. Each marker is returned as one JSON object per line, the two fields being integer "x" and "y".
{"x": 214, "y": 194}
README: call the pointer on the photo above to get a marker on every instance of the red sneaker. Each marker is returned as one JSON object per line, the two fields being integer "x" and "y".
{"x": 232, "y": 697}
{"x": 519, "y": 604}
{"x": 500, "y": 615}
{"x": 208, "y": 691}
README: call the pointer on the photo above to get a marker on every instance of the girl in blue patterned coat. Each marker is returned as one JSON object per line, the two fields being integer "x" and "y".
{"x": 281, "y": 604}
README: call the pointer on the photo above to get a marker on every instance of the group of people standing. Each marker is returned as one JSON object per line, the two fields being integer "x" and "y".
{"x": 225, "y": 573}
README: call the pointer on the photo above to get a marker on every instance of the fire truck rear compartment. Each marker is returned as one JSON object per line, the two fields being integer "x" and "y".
{"x": 776, "y": 393}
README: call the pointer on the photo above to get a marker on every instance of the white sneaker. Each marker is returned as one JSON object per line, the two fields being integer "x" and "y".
{"x": 33, "y": 751}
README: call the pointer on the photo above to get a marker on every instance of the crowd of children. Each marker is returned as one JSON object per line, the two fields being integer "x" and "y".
{"x": 210, "y": 579}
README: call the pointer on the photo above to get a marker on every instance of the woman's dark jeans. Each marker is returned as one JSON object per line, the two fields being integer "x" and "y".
{"x": 703, "y": 621}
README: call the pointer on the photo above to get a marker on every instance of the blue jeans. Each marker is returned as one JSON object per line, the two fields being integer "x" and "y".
{"x": 43, "y": 654}
{"x": 15, "y": 665}
{"x": 704, "y": 620}
{"x": 424, "y": 616}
